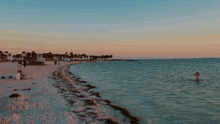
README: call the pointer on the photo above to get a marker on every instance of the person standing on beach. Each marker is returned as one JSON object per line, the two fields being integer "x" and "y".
{"x": 59, "y": 62}
{"x": 55, "y": 62}
{"x": 25, "y": 63}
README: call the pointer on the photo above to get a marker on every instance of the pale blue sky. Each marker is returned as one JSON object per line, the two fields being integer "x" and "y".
{"x": 101, "y": 16}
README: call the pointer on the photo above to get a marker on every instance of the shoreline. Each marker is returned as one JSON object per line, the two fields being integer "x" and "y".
{"x": 66, "y": 75}
{"x": 85, "y": 103}
{"x": 80, "y": 99}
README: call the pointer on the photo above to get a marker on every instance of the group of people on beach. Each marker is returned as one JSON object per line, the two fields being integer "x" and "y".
{"x": 19, "y": 73}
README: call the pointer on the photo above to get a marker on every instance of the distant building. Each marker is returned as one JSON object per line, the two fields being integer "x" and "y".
{"x": 10, "y": 58}
{"x": 66, "y": 60}
{"x": 56, "y": 58}
{"x": 40, "y": 58}
{"x": 18, "y": 59}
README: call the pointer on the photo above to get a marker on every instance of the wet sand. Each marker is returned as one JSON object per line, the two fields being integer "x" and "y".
{"x": 83, "y": 103}
{"x": 84, "y": 90}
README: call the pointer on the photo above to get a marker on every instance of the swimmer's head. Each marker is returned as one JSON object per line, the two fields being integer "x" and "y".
{"x": 197, "y": 73}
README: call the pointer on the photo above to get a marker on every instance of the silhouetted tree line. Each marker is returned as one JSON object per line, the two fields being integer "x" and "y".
{"x": 4, "y": 56}
{"x": 102, "y": 56}
{"x": 32, "y": 56}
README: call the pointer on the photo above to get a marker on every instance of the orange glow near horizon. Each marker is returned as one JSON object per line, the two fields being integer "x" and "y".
{"x": 95, "y": 44}
{"x": 124, "y": 50}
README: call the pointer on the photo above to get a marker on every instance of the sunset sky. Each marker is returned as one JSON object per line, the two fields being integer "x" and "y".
{"x": 124, "y": 28}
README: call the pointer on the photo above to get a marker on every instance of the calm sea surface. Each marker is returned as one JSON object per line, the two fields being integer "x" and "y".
{"x": 160, "y": 91}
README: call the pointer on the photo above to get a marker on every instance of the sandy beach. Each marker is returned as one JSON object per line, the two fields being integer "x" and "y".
{"x": 14, "y": 90}
{"x": 53, "y": 84}
{"x": 22, "y": 96}
{"x": 31, "y": 72}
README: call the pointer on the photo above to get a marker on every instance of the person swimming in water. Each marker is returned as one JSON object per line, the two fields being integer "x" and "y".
{"x": 197, "y": 76}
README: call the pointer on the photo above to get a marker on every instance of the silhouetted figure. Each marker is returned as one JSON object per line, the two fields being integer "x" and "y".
{"x": 197, "y": 76}
{"x": 55, "y": 62}
{"x": 25, "y": 63}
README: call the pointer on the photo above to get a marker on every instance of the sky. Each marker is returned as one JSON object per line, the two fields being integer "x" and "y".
{"x": 124, "y": 28}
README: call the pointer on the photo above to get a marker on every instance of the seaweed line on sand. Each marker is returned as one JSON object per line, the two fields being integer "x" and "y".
{"x": 86, "y": 108}
{"x": 80, "y": 90}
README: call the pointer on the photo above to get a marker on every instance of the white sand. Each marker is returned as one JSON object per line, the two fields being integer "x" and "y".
{"x": 42, "y": 101}
{"x": 36, "y": 74}
{"x": 32, "y": 72}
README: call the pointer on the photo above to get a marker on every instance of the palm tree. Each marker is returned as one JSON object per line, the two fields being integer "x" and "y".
{"x": 6, "y": 52}
{"x": 34, "y": 55}
{"x": 80, "y": 56}
{"x": 28, "y": 55}
{"x": 2, "y": 56}
{"x": 44, "y": 55}
{"x": 91, "y": 57}
{"x": 50, "y": 55}
{"x": 65, "y": 54}
{"x": 56, "y": 56}
{"x": 71, "y": 55}
{"x": 87, "y": 57}
{"x": 60, "y": 56}
{"x": 20, "y": 56}
{"x": 9, "y": 55}
{"x": 110, "y": 56}
{"x": 13, "y": 56}
{"x": 102, "y": 56}
{"x": 84, "y": 55}
{"x": 94, "y": 57}
{"x": 23, "y": 52}
{"x": 75, "y": 56}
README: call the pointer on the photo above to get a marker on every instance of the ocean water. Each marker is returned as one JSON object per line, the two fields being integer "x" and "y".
{"x": 159, "y": 91}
